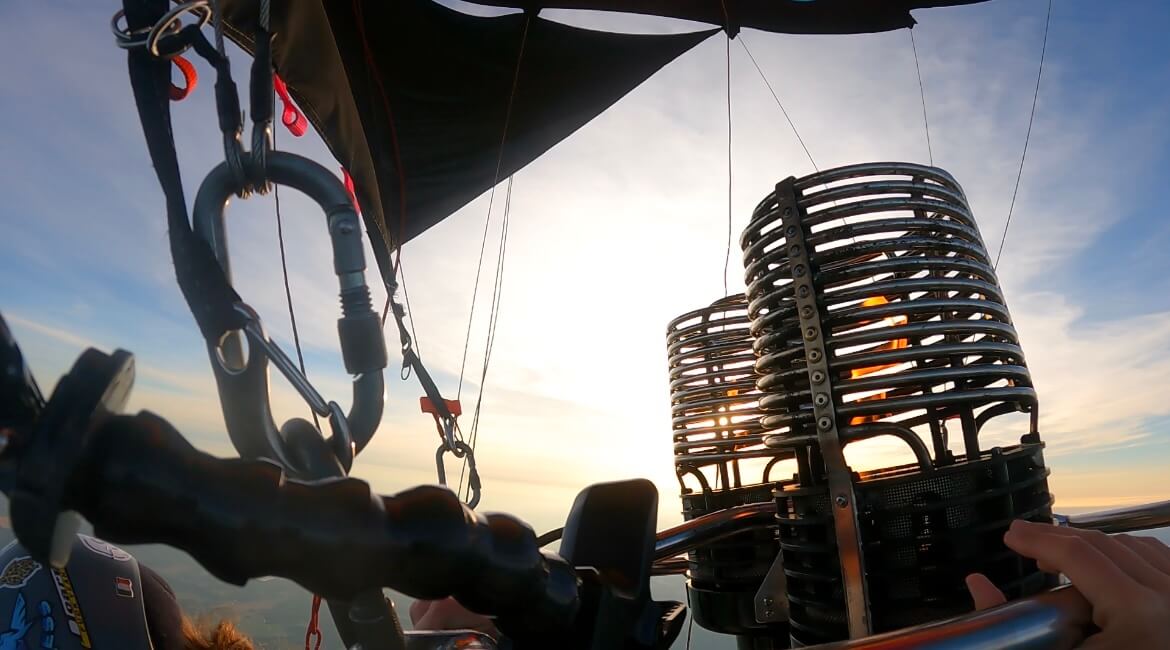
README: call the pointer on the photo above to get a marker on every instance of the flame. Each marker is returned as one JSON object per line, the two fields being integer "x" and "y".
{"x": 893, "y": 344}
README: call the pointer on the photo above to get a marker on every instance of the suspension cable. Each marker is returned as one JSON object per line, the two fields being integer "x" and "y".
{"x": 727, "y": 255}
{"x": 779, "y": 103}
{"x": 1027, "y": 136}
{"x": 922, "y": 96}
{"x": 493, "y": 322}
{"x": 292, "y": 315}
{"x": 491, "y": 200}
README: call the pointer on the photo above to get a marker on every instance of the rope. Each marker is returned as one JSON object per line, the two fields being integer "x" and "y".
{"x": 1027, "y": 136}
{"x": 779, "y": 103}
{"x": 491, "y": 200}
{"x": 727, "y": 255}
{"x": 292, "y": 315}
{"x": 493, "y": 322}
{"x": 922, "y": 95}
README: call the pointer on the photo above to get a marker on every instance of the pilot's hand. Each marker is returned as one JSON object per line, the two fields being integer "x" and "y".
{"x": 448, "y": 614}
{"x": 1126, "y": 580}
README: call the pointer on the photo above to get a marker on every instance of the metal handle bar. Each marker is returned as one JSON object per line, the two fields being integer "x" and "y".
{"x": 243, "y": 382}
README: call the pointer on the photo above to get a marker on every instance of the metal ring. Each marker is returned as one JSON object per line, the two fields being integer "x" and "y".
{"x": 127, "y": 38}
{"x": 170, "y": 21}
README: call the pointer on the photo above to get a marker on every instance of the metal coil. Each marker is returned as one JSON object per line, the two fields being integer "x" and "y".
{"x": 715, "y": 417}
{"x": 872, "y": 284}
{"x": 915, "y": 326}
{"x": 715, "y": 413}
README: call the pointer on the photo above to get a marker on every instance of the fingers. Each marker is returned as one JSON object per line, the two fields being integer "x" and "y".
{"x": 1155, "y": 553}
{"x": 448, "y": 614}
{"x": 984, "y": 592}
{"x": 1125, "y": 553}
{"x": 1101, "y": 581}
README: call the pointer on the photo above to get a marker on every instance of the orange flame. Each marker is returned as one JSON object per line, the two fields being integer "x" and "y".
{"x": 893, "y": 344}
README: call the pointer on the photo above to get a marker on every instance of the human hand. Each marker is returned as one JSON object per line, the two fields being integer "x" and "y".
{"x": 1126, "y": 580}
{"x": 448, "y": 614}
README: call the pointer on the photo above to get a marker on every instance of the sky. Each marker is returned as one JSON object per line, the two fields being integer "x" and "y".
{"x": 621, "y": 227}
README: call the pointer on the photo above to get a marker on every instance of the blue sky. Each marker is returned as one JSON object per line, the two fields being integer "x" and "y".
{"x": 637, "y": 235}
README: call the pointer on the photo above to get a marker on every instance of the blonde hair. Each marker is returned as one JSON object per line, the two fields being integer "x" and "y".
{"x": 222, "y": 636}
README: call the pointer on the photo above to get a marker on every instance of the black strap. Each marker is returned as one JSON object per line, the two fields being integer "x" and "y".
{"x": 201, "y": 279}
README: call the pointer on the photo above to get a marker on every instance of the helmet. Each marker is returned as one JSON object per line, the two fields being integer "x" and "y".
{"x": 102, "y": 599}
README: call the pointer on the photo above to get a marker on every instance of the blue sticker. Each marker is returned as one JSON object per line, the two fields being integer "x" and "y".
{"x": 19, "y": 625}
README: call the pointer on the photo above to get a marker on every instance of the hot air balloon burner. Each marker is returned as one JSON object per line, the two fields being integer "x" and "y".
{"x": 876, "y": 315}
{"x": 721, "y": 462}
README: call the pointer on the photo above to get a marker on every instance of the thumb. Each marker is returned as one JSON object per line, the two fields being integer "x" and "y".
{"x": 984, "y": 592}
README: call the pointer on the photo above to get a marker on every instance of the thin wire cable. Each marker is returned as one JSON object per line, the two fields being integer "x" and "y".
{"x": 409, "y": 309}
{"x": 1027, "y": 136}
{"x": 493, "y": 323}
{"x": 727, "y": 254}
{"x": 292, "y": 314}
{"x": 491, "y": 200}
{"x": 922, "y": 95}
{"x": 779, "y": 103}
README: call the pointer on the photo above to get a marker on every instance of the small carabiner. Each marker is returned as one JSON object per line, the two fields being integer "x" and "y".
{"x": 460, "y": 450}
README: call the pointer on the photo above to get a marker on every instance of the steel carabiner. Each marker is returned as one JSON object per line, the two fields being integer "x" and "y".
{"x": 460, "y": 450}
{"x": 242, "y": 379}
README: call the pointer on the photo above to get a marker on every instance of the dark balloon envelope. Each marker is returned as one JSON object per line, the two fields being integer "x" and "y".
{"x": 411, "y": 97}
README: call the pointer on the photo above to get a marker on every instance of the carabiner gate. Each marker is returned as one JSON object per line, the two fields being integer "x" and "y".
{"x": 243, "y": 382}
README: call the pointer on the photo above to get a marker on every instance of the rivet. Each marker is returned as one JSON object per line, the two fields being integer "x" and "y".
{"x": 818, "y": 377}
{"x": 825, "y": 422}
{"x": 841, "y": 501}
{"x": 806, "y": 311}
{"x": 810, "y": 333}
{"x": 798, "y": 270}
{"x": 768, "y": 601}
{"x": 821, "y": 399}
{"x": 787, "y": 212}
{"x": 802, "y": 292}
{"x": 794, "y": 250}
{"x": 814, "y": 356}
{"x": 790, "y": 231}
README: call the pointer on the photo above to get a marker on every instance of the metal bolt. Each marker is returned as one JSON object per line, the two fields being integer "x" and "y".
{"x": 814, "y": 356}
{"x": 794, "y": 250}
{"x": 798, "y": 270}
{"x": 768, "y": 601}
{"x": 841, "y": 501}
{"x": 802, "y": 292}
{"x": 806, "y": 311}
{"x": 825, "y": 422}
{"x": 821, "y": 399}
{"x": 810, "y": 333}
{"x": 790, "y": 231}
{"x": 787, "y": 212}
{"x": 818, "y": 377}
{"x": 345, "y": 227}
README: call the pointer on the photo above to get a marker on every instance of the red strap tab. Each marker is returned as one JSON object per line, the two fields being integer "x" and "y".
{"x": 291, "y": 116}
{"x": 349, "y": 187}
{"x": 190, "y": 79}
{"x": 453, "y": 406}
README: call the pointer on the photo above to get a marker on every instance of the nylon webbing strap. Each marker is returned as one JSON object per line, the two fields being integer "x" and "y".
{"x": 207, "y": 292}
